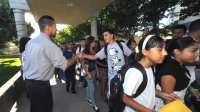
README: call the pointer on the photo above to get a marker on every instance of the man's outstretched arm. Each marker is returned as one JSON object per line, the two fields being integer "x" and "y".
{"x": 73, "y": 60}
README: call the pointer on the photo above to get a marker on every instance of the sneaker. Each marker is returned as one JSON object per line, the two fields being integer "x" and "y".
{"x": 80, "y": 84}
{"x": 89, "y": 101}
{"x": 86, "y": 87}
{"x": 67, "y": 90}
{"x": 63, "y": 81}
{"x": 73, "y": 92}
{"x": 95, "y": 108}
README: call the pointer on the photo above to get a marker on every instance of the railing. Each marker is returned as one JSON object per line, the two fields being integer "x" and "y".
{"x": 9, "y": 56}
{"x": 10, "y": 92}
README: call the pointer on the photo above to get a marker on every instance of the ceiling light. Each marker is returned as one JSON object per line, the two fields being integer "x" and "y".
{"x": 69, "y": 4}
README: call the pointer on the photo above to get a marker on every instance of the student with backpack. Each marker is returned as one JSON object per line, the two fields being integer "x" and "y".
{"x": 115, "y": 53}
{"x": 139, "y": 86}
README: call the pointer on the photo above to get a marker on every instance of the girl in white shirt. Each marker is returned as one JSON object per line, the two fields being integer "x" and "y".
{"x": 151, "y": 51}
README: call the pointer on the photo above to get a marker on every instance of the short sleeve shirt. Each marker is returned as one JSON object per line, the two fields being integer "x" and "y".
{"x": 90, "y": 63}
{"x": 115, "y": 57}
{"x": 133, "y": 79}
{"x": 69, "y": 54}
{"x": 173, "y": 68}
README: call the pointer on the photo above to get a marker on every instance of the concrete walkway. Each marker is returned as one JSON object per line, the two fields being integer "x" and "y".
{"x": 63, "y": 101}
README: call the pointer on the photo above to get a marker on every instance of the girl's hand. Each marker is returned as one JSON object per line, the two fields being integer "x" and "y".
{"x": 169, "y": 96}
{"x": 90, "y": 76}
{"x": 197, "y": 95}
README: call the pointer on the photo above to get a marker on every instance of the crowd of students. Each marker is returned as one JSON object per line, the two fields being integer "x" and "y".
{"x": 174, "y": 62}
{"x": 87, "y": 70}
{"x": 169, "y": 67}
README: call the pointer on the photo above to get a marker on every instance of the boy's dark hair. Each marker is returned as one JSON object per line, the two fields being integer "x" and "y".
{"x": 63, "y": 43}
{"x": 45, "y": 20}
{"x": 71, "y": 42}
{"x": 194, "y": 26}
{"x": 109, "y": 31}
{"x": 183, "y": 27}
{"x": 130, "y": 41}
{"x": 22, "y": 43}
{"x": 82, "y": 39}
{"x": 98, "y": 44}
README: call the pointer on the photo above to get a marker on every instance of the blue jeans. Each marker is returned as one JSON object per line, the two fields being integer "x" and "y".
{"x": 61, "y": 75}
{"x": 90, "y": 89}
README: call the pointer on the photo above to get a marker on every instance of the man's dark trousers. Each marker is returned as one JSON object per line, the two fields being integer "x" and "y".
{"x": 40, "y": 95}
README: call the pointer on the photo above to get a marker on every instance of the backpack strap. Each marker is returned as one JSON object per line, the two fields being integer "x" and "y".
{"x": 79, "y": 49}
{"x": 143, "y": 85}
{"x": 106, "y": 50}
{"x": 118, "y": 43}
{"x": 121, "y": 47}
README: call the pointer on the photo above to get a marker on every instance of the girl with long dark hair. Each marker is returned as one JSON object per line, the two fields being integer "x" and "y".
{"x": 172, "y": 76}
{"x": 102, "y": 70}
{"x": 89, "y": 67}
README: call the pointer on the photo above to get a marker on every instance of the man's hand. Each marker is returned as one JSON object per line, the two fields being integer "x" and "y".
{"x": 80, "y": 55}
{"x": 73, "y": 60}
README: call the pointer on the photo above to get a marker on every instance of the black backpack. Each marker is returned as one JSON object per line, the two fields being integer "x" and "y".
{"x": 116, "y": 89}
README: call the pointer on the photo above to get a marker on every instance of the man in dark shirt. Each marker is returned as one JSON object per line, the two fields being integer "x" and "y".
{"x": 177, "y": 32}
{"x": 70, "y": 72}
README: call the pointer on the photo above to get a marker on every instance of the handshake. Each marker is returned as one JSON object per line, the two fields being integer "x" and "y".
{"x": 73, "y": 60}
{"x": 80, "y": 55}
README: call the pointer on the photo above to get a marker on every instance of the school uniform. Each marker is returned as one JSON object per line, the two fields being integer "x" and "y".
{"x": 133, "y": 79}
{"x": 179, "y": 72}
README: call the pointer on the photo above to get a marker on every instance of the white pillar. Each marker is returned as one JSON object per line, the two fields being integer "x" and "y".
{"x": 19, "y": 15}
{"x": 94, "y": 25}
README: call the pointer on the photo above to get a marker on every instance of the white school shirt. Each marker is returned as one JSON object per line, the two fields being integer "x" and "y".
{"x": 78, "y": 49}
{"x": 132, "y": 81}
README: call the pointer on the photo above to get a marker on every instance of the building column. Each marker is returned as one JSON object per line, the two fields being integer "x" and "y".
{"x": 94, "y": 25}
{"x": 21, "y": 29}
